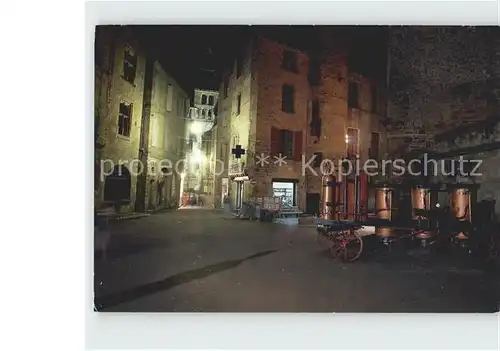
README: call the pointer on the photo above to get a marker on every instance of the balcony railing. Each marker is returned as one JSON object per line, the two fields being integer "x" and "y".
{"x": 204, "y": 113}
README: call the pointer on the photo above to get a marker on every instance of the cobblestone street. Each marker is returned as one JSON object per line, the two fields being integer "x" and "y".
{"x": 200, "y": 260}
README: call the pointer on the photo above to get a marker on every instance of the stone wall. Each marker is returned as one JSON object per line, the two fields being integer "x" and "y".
{"x": 114, "y": 89}
{"x": 336, "y": 116}
{"x": 166, "y": 122}
{"x": 270, "y": 77}
{"x": 441, "y": 77}
{"x": 478, "y": 142}
{"x": 261, "y": 86}
{"x": 167, "y": 128}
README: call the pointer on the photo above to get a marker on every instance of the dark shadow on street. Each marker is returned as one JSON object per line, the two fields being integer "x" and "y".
{"x": 125, "y": 244}
{"x": 101, "y": 303}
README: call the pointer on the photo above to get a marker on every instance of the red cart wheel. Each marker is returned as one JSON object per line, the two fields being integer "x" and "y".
{"x": 348, "y": 246}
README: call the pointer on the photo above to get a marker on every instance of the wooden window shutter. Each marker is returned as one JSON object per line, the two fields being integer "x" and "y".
{"x": 297, "y": 147}
{"x": 275, "y": 141}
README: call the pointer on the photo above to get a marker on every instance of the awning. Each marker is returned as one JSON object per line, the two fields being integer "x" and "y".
{"x": 241, "y": 178}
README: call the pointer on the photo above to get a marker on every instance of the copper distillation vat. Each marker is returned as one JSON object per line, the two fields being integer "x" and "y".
{"x": 328, "y": 197}
{"x": 383, "y": 206}
{"x": 421, "y": 205}
{"x": 461, "y": 207}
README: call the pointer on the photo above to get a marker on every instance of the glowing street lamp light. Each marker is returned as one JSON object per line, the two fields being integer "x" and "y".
{"x": 347, "y": 139}
{"x": 196, "y": 128}
{"x": 196, "y": 157}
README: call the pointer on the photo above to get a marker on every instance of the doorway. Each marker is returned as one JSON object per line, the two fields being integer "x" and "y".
{"x": 239, "y": 194}
{"x": 286, "y": 190}
{"x": 312, "y": 203}
{"x": 225, "y": 190}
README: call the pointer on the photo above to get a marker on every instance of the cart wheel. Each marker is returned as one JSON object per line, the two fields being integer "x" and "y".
{"x": 322, "y": 237}
{"x": 351, "y": 248}
{"x": 335, "y": 247}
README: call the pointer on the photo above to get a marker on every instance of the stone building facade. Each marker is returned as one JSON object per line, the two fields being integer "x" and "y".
{"x": 270, "y": 108}
{"x": 120, "y": 70}
{"x": 200, "y": 121}
{"x": 170, "y": 105}
{"x": 119, "y": 83}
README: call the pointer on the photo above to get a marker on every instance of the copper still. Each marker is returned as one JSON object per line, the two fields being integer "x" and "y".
{"x": 461, "y": 207}
{"x": 383, "y": 206}
{"x": 420, "y": 200}
{"x": 328, "y": 197}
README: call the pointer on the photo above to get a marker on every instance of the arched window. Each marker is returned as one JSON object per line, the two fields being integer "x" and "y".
{"x": 203, "y": 99}
{"x": 211, "y": 100}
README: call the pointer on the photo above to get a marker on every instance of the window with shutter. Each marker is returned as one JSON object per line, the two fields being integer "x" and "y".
{"x": 318, "y": 159}
{"x": 275, "y": 141}
{"x": 297, "y": 150}
{"x": 315, "y": 125}
{"x": 287, "y": 145}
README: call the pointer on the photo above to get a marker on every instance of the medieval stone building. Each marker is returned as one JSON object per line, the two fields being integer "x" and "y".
{"x": 279, "y": 102}
{"x": 139, "y": 110}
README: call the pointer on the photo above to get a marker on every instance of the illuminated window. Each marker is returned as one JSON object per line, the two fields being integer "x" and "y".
{"x": 352, "y": 142}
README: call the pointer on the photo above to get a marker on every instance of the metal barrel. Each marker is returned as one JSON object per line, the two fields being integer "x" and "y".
{"x": 383, "y": 206}
{"x": 461, "y": 206}
{"x": 421, "y": 201}
{"x": 328, "y": 197}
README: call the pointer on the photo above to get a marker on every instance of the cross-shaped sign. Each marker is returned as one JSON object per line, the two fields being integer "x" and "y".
{"x": 238, "y": 151}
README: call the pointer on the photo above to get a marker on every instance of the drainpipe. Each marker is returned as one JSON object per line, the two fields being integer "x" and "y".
{"x": 141, "y": 187}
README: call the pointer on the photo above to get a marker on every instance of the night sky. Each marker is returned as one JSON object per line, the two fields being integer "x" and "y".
{"x": 197, "y": 55}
